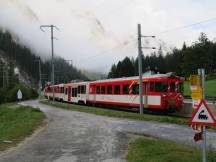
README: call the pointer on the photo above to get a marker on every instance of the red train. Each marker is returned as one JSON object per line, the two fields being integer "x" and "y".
{"x": 160, "y": 91}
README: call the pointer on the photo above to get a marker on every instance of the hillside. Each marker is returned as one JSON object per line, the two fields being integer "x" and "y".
{"x": 183, "y": 61}
{"x": 25, "y": 61}
{"x": 210, "y": 88}
{"x": 93, "y": 75}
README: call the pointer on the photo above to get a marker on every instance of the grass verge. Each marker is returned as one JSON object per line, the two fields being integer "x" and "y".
{"x": 146, "y": 149}
{"x": 17, "y": 122}
{"x": 210, "y": 88}
{"x": 118, "y": 114}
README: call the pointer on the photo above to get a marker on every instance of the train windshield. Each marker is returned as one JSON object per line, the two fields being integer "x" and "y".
{"x": 161, "y": 86}
{"x": 180, "y": 88}
{"x": 172, "y": 87}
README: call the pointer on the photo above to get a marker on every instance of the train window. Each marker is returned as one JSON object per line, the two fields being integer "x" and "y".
{"x": 109, "y": 89}
{"x": 79, "y": 89}
{"x": 152, "y": 88}
{"x": 102, "y": 89}
{"x": 135, "y": 89}
{"x": 172, "y": 87}
{"x": 117, "y": 89}
{"x": 83, "y": 89}
{"x": 164, "y": 87}
{"x": 180, "y": 88}
{"x": 66, "y": 91}
{"x": 161, "y": 86}
{"x": 73, "y": 92}
{"x": 62, "y": 89}
{"x": 98, "y": 90}
{"x": 125, "y": 89}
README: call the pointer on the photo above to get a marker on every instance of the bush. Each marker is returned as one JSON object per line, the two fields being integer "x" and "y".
{"x": 9, "y": 94}
{"x": 211, "y": 77}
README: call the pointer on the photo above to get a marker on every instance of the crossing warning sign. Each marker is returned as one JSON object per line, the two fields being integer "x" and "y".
{"x": 203, "y": 115}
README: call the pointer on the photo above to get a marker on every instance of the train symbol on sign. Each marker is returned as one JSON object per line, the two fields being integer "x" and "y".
{"x": 202, "y": 115}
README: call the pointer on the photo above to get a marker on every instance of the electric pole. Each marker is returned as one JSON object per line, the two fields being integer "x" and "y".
{"x": 39, "y": 70}
{"x": 52, "y": 50}
{"x": 140, "y": 65}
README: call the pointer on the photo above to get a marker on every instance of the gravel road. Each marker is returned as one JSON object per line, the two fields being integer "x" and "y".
{"x": 80, "y": 137}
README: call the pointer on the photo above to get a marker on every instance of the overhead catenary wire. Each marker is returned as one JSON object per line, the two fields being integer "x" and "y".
{"x": 105, "y": 52}
{"x": 185, "y": 26}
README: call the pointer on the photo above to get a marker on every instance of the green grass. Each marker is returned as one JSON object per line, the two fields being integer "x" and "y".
{"x": 118, "y": 114}
{"x": 146, "y": 149}
{"x": 17, "y": 122}
{"x": 210, "y": 88}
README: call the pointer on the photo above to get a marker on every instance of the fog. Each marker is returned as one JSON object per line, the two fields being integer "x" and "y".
{"x": 97, "y": 33}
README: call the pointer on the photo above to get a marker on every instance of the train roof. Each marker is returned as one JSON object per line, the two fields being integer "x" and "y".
{"x": 83, "y": 82}
{"x": 145, "y": 76}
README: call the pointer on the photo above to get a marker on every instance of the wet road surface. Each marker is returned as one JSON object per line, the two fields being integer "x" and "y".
{"x": 80, "y": 137}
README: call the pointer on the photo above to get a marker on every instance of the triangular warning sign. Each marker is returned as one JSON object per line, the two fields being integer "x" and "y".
{"x": 203, "y": 115}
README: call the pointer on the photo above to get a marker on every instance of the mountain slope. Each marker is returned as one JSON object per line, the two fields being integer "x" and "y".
{"x": 26, "y": 61}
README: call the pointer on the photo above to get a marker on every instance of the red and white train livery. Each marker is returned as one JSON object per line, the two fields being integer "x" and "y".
{"x": 160, "y": 91}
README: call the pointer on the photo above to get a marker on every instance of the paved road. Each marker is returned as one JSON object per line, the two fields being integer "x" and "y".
{"x": 81, "y": 137}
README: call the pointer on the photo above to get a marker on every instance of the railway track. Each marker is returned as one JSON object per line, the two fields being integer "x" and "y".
{"x": 185, "y": 112}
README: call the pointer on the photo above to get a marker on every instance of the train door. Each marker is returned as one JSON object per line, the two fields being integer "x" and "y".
{"x": 69, "y": 93}
{"x": 81, "y": 94}
{"x": 65, "y": 94}
{"x": 145, "y": 96}
{"x": 74, "y": 94}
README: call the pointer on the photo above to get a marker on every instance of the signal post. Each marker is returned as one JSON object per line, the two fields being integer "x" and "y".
{"x": 202, "y": 115}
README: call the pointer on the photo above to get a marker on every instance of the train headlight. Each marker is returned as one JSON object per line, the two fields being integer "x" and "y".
{"x": 180, "y": 97}
{"x": 164, "y": 95}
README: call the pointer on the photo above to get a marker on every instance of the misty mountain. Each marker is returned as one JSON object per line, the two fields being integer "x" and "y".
{"x": 93, "y": 75}
{"x": 23, "y": 59}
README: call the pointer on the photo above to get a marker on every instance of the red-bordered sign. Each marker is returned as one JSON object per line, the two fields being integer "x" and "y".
{"x": 203, "y": 115}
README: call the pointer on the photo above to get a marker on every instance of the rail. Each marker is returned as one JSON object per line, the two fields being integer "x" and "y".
{"x": 211, "y": 99}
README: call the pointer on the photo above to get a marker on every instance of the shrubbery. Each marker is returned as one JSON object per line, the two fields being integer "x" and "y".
{"x": 211, "y": 77}
{"x": 9, "y": 94}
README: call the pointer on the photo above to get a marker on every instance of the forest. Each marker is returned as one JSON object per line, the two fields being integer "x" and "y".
{"x": 21, "y": 56}
{"x": 184, "y": 61}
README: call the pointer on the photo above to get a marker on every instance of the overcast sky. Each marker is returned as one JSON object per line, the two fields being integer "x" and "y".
{"x": 97, "y": 33}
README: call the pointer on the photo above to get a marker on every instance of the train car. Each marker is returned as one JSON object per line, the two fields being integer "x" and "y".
{"x": 76, "y": 92}
{"x": 47, "y": 90}
{"x": 58, "y": 92}
{"x": 160, "y": 91}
